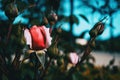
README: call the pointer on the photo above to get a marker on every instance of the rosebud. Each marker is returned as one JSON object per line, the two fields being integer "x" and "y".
{"x": 11, "y": 11}
{"x": 45, "y": 21}
{"x": 53, "y": 51}
{"x": 52, "y": 17}
{"x": 100, "y": 28}
{"x": 93, "y": 33}
{"x": 60, "y": 61}
{"x": 59, "y": 30}
{"x": 97, "y": 29}
{"x": 73, "y": 58}
{"x": 38, "y": 37}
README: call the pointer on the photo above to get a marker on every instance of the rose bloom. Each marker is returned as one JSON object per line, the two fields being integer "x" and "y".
{"x": 38, "y": 37}
{"x": 73, "y": 58}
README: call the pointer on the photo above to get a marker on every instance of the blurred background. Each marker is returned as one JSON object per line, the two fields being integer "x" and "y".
{"x": 76, "y": 18}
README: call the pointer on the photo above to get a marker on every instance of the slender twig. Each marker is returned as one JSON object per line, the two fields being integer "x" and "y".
{"x": 36, "y": 70}
{"x": 9, "y": 32}
{"x": 36, "y": 65}
{"x": 30, "y": 6}
{"x": 16, "y": 61}
{"x": 87, "y": 50}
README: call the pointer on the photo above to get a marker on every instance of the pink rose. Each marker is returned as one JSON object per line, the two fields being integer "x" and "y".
{"x": 73, "y": 58}
{"x": 38, "y": 37}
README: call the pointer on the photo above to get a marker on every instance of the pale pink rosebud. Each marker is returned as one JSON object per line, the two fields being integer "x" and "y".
{"x": 73, "y": 58}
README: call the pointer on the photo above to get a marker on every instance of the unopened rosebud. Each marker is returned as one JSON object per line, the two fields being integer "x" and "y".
{"x": 11, "y": 11}
{"x": 52, "y": 18}
{"x": 73, "y": 58}
{"x": 45, "y": 21}
{"x": 97, "y": 29}
{"x": 100, "y": 28}
{"x": 60, "y": 61}
{"x": 59, "y": 30}
{"x": 93, "y": 33}
{"x": 53, "y": 51}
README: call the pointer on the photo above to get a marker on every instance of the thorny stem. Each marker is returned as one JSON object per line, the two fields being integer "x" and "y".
{"x": 30, "y": 6}
{"x": 16, "y": 61}
{"x": 36, "y": 70}
{"x": 87, "y": 50}
{"x": 56, "y": 40}
{"x": 37, "y": 62}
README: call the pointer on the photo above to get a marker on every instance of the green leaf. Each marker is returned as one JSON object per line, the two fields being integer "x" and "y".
{"x": 71, "y": 17}
{"x": 37, "y": 59}
{"x": 41, "y": 59}
{"x": 75, "y": 19}
{"x": 84, "y": 17}
{"x": 74, "y": 77}
{"x": 26, "y": 16}
{"x": 65, "y": 19}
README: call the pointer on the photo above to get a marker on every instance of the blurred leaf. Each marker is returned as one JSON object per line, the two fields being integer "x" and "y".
{"x": 41, "y": 59}
{"x": 91, "y": 57}
{"x": 111, "y": 25}
{"x": 32, "y": 1}
{"x": 84, "y": 17}
{"x": 112, "y": 61}
{"x": 35, "y": 21}
{"x": 73, "y": 19}
{"x": 83, "y": 34}
{"x": 65, "y": 18}
{"x": 93, "y": 11}
{"x": 21, "y": 5}
{"x": 97, "y": 2}
{"x": 54, "y": 4}
{"x": 26, "y": 16}
{"x": 4, "y": 77}
{"x": 74, "y": 77}
{"x": 38, "y": 58}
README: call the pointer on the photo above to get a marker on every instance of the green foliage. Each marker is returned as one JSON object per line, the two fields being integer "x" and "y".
{"x": 51, "y": 64}
{"x": 84, "y": 17}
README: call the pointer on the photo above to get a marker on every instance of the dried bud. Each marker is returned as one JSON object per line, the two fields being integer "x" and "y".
{"x": 59, "y": 30}
{"x": 45, "y": 21}
{"x": 52, "y": 17}
{"x": 100, "y": 28}
{"x": 60, "y": 61}
{"x": 11, "y": 11}
{"x": 53, "y": 51}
